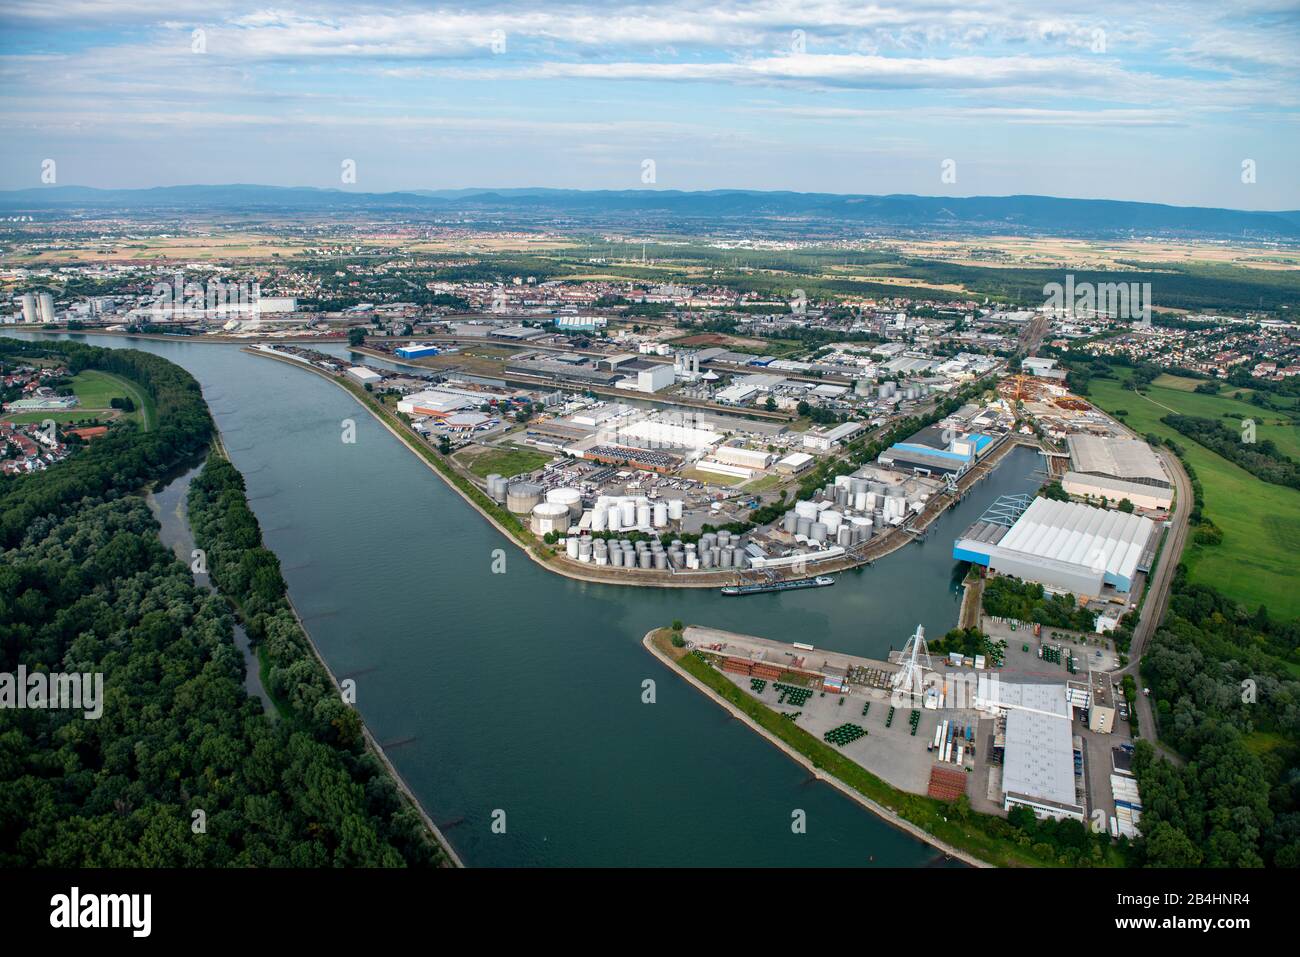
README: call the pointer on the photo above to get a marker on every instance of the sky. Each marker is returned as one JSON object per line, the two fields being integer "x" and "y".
{"x": 1189, "y": 103}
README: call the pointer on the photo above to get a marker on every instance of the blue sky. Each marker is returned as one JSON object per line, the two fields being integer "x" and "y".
{"x": 1160, "y": 102}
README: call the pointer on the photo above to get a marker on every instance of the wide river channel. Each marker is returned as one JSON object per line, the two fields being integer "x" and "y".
{"x": 522, "y": 692}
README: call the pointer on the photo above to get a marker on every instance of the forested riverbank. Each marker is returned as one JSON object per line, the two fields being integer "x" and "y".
{"x": 182, "y": 768}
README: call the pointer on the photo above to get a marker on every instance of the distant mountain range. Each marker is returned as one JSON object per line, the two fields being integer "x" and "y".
{"x": 1043, "y": 215}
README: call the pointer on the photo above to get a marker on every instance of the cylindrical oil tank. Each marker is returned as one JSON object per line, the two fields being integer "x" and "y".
{"x": 706, "y": 558}
{"x": 806, "y": 509}
{"x": 790, "y": 522}
{"x": 675, "y": 509}
{"x": 571, "y": 546}
{"x": 599, "y": 518}
{"x": 584, "y": 550}
{"x": 550, "y": 517}
{"x": 724, "y": 558}
{"x": 494, "y": 487}
{"x": 600, "y": 552}
{"x": 832, "y": 520}
{"x": 522, "y": 496}
{"x": 644, "y": 560}
{"x": 660, "y": 519}
{"x": 860, "y": 501}
{"x": 844, "y": 535}
{"x": 818, "y": 532}
{"x": 643, "y": 514}
{"x": 569, "y": 497}
{"x": 857, "y": 485}
{"x": 616, "y": 557}
{"x": 661, "y": 560}
{"x": 804, "y": 527}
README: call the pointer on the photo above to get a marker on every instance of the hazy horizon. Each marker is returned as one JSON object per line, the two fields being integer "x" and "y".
{"x": 599, "y": 189}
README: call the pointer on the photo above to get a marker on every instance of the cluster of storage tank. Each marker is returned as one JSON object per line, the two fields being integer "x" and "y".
{"x": 619, "y": 552}
{"x": 613, "y": 513}
{"x": 846, "y": 512}
{"x": 714, "y": 550}
{"x": 496, "y": 488}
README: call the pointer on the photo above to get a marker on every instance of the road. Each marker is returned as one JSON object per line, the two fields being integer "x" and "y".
{"x": 1157, "y": 599}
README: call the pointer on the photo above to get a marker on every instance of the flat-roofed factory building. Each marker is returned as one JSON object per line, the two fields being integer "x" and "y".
{"x": 1115, "y": 469}
{"x": 1033, "y": 733}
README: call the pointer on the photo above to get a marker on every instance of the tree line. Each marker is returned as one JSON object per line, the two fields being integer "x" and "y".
{"x": 1261, "y": 459}
{"x": 183, "y": 768}
{"x": 1226, "y": 698}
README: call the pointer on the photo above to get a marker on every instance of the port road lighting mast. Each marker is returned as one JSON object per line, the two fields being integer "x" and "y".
{"x": 911, "y": 677}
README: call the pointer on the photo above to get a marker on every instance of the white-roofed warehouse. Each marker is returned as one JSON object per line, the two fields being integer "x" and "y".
{"x": 1065, "y": 546}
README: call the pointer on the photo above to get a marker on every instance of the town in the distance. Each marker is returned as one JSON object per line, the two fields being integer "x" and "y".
{"x": 638, "y": 401}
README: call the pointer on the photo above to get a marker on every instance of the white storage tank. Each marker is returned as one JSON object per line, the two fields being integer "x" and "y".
{"x": 550, "y": 517}
{"x": 571, "y": 546}
{"x": 806, "y": 509}
{"x": 570, "y": 498}
{"x": 660, "y": 515}
{"x": 675, "y": 509}
{"x": 627, "y": 513}
{"x": 599, "y": 518}
{"x": 643, "y": 515}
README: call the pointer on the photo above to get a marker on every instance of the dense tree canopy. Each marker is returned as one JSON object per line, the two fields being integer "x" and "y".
{"x": 86, "y": 586}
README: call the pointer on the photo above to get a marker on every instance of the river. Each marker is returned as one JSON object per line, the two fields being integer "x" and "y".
{"x": 522, "y": 692}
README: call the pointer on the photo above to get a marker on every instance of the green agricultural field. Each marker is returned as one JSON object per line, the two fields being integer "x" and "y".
{"x": 1260, "y": 522}
{"x": 508, "y": 460}
{"x": 1176, "y": 393}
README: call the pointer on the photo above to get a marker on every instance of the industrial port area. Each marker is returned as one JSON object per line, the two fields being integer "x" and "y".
{"x": 1000, "y": 732}
{"x": 660, "y": 492}
{"x": 1010, "y": 713}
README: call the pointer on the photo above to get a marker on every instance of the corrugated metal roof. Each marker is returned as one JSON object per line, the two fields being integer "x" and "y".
{"x": 1101, "y": 540}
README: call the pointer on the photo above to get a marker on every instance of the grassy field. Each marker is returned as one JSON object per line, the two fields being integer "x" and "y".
{"x": 96, "y": 390}
{"x": 1176, "y": 393}
{"x": 1260, "y": 522}
{"x": 507, "y": 460}
{"x": 963, "y": 829}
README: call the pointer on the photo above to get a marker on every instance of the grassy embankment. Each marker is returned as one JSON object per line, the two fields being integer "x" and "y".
{"x": 1260, "y": 521}
{"x": 964, "y": 829}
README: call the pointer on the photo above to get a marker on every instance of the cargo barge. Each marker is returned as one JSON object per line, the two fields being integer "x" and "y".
{"x": 758, "y": 588}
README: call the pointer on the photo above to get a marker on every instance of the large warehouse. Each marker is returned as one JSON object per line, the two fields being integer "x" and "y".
{"x": 1064, "y": 545}
{"x": 1115, "y": 469}
{"x": 1033, "y": 733}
